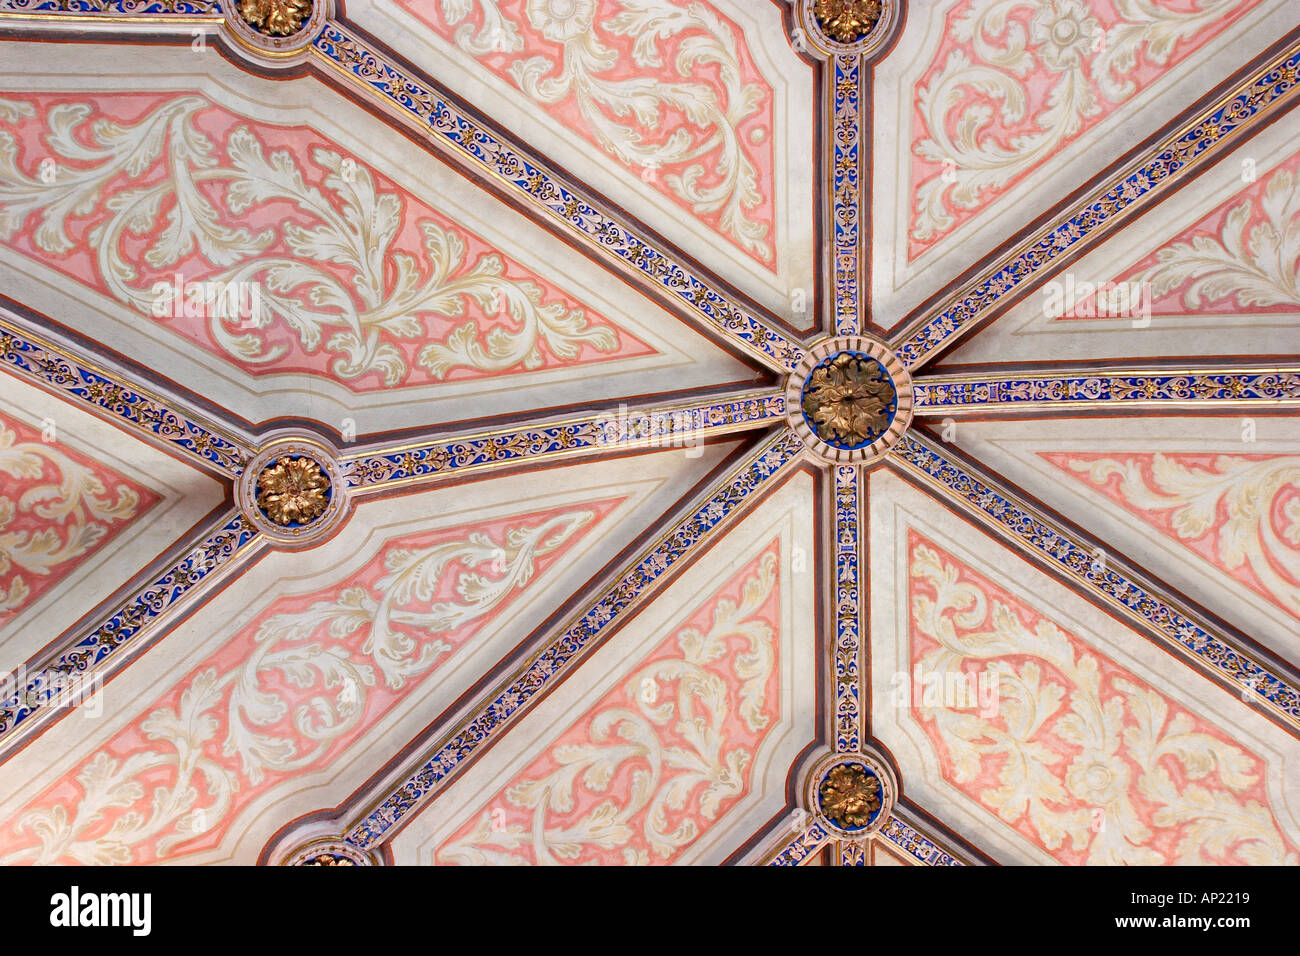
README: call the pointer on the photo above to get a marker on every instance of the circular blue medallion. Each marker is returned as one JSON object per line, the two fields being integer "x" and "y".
{"x": 849, "y": 400}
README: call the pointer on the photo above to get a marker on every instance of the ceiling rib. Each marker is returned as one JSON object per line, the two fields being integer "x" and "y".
{"x": 851, "y": 852}
{"x": 1103, "y": 575}
{"x": 900, "y": 830}
{"x": 846, "y": 177}
{"x": 905, "y": 832}
{"x": 1104, "y": 392}
{"x": 111, "y": 12}
{"x": 63, "y": 678}
{"x": 683, "y": 424}
{"x": 848, "y": 661}
{"x": 801, "y": 847}
{"x": 1189, "y": 150}
{"x": 75, "y": 377}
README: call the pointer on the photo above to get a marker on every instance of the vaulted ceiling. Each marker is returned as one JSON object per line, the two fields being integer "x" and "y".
{"x": 407, "y": 452}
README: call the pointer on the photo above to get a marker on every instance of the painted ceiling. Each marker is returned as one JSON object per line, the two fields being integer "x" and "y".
{"x": 407, "y": 453}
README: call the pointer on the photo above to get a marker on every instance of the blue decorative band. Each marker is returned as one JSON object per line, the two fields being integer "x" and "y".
{"x": 848, "y": 636}
{"x": 936, "y": 394}
{"x": 25, "y": 355}
{"x": 916, "y": 844}
{"x": 41, "y": 687}
{"x": 845, "y": 172}
{"x": 805, "y": 843}
{"x": 633, "y": 428}
{"x": 114, "y": 8}
{"x": 852, "y": 853}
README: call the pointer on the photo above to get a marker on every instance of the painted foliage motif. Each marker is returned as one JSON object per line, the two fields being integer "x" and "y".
{"x": 289, "y": 692}
{"x": 57, "y": 508}
{"x": 1243, "y": 257}
{"x": 659, "y": 759}
{"x": 668, "y": 90}
{"x": 1240, "y": 513}
{"x": 1013, "y": 82}
{"x": 1081, "y": 757}
{"x": 271, "y": 248}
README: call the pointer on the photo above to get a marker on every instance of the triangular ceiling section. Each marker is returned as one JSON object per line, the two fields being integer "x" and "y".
{"x": 1045, "y": 731}
{"x": 85, "y": 507}
{"x": 676, "y": 743}
{"x": 1213, "y": 502}
{"x": 252, "y": 241}
{"x": 1213, "y": 271}
{"x": 324, "y": 664}
{"x": 696, "y": 118}
{"x": 988, "y": 114}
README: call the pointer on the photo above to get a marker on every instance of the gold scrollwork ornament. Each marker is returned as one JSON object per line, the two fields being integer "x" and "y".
{"x": 293, "y": 491}
{"x": 848, "y": 400}
{"x": 276, "y": 18}
{"x": 850, "y": 797}
{"x": 847, "y": 20}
